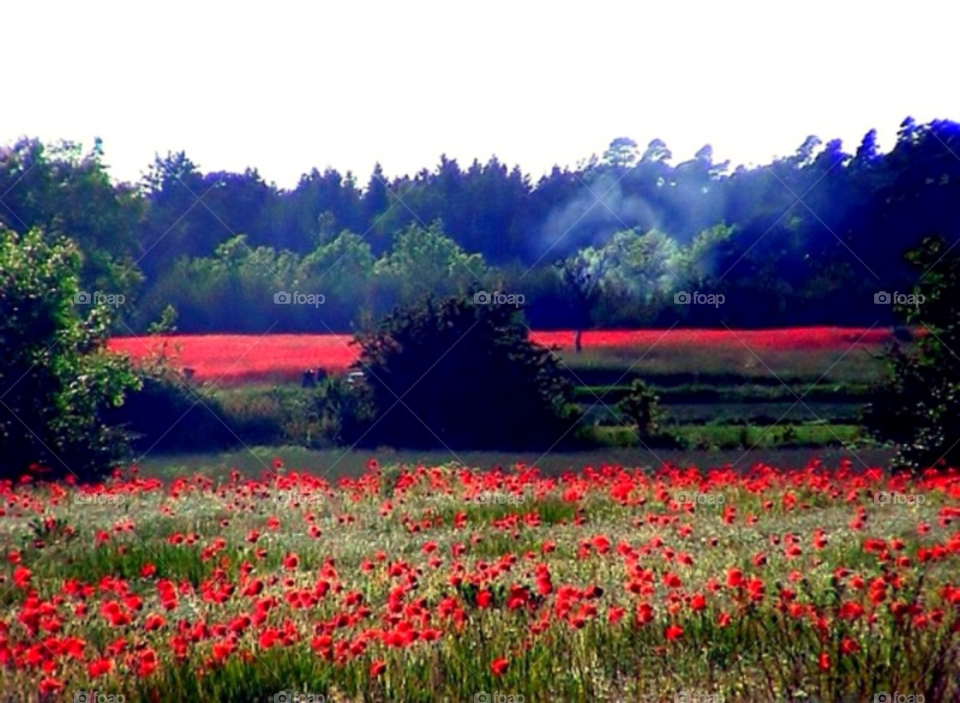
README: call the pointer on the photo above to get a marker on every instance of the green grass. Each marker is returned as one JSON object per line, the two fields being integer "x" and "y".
{"x": 724, "y": 366}
{"x": 741, "y": 393}
{"x": 713, "y": 437}
{"x": 337, "y": 463}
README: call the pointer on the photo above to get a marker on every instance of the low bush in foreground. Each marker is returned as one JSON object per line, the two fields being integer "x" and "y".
{"x": 441, "y": 583}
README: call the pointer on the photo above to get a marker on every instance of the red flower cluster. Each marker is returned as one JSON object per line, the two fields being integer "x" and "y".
{"x": 200, "y": 574}
{"x": 238, "y": 358}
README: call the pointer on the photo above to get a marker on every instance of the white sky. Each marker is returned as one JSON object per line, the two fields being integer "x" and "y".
{"x": 286, "y": 86}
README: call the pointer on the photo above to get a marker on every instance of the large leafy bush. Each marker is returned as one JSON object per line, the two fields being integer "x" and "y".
{"x": 57, "y": 379}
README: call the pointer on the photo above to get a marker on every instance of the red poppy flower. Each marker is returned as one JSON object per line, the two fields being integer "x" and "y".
{"x": 615, "y": 614}
{"x": 21, "y": 577}
{"x": 671, "y": 580}
{"x": 849, "y": 646}
{"x": 50, "y": 685}
{"x": 99, "y": 667}
{"x": 499, "y": 666}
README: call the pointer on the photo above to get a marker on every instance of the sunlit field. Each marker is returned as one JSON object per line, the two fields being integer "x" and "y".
{"x": 442, "y": 583}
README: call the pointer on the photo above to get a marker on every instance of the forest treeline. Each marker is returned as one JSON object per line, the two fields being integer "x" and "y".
{"x": 807, "y": 239}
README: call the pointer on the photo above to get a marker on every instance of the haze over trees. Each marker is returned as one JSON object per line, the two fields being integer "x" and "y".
{"x": 807, "y": 239}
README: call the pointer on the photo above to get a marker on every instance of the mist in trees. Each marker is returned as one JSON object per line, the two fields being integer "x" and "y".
{"x": 806, "y": 239}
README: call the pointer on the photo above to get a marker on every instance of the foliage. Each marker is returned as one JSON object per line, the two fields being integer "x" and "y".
{"x": 504, "y": 391}
{"x": 63, "y": 191}
{"x": 641, "y": 409}
{"x": 430, "y": 261}
{"x": 216, "y": 245}
{"x": 171, "y": 414}
{"x": 171, "y": 411}
{"x": 919, "y": 407}
{"x": 57, "y": 380}
{"x": 345, "y": 410}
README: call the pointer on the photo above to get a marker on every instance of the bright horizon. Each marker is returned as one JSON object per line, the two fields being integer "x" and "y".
{"x": 285, "y": 89}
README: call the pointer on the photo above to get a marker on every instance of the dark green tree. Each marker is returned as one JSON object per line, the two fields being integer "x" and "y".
{"x": 57, "y": 380}
{"x": 449, "y": 372}
{"x": 919, "y": 407}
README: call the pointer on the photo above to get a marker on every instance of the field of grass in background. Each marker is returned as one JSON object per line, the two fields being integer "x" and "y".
{"x": 345, "y": 462}
{"x": 726, "y": 362}
{"x": 715, "y": 392}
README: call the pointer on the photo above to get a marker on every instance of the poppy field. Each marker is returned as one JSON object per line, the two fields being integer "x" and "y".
{"x": 423, "y": 583}
{"x": 238, "y": 358}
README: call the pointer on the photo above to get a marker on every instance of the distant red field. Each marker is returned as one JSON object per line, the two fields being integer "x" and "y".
{"x": 780, "y": 339}
{"x": 240, "y": 358}
{"x": 247, "y": 358}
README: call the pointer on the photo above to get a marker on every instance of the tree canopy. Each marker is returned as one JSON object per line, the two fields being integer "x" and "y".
{"x": 806, "y": 239}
